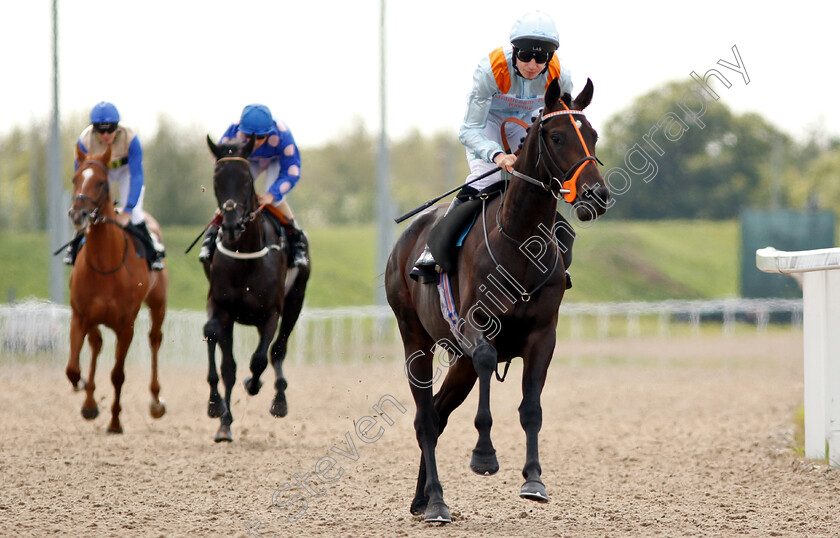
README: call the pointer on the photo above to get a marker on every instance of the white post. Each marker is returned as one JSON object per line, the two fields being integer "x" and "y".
{"x": 819, "y": 273}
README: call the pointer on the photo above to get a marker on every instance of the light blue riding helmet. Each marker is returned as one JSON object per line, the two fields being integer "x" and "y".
{"x": 256, "y": 120}
{"x": 104, "y": 112}
{"x": 534, "y": 26}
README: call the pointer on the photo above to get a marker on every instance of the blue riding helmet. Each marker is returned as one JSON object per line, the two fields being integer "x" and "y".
{"x": 256, "y": 120}
{"x": 104, "y": 112}
{"x": 535, "y": 26}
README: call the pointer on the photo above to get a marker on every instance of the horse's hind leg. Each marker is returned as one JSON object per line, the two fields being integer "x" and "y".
{"x": 456, "y": 387}
{"x": 89, "y": 408}
{"x": 484, "y": 455}
{"x": 124, "y": 338}
{"x": 157, "y": 310}
{"x": 292, "y": 306}
{"x": 259, "y": 360}
{"x": 428, "y": 498}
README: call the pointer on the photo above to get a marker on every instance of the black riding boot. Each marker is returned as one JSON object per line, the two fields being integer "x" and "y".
{"x": 299, "y": 243}
{"x": 208, "y": 246}
{"x": 157, "y": 252}
{"x": 425, "y": 268}
{"x": 73, "y": 248}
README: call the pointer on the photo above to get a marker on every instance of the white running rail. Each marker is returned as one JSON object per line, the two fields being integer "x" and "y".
{"x": 818, "y": 271}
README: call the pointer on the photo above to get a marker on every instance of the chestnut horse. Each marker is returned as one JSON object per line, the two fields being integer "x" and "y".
{"x": 506, "y": 296}
{"x": 109, "y": 282}
{"x": 250, "y": 283}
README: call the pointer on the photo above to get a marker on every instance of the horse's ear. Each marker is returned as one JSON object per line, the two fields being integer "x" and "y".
{"x": 585, "y": 97}
{"x": 249, "y": 147}
{"x": 214, "y": 149}
{"x": 552, "y": 93}
{"x": 106, "y": 157}
{"x": 80, "y": 155}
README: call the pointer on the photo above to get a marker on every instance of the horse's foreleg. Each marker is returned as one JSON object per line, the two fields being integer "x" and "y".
{"x": 259, "y": 360}
{"x": 215, "y": 404}
{"x": 484, "y": 455}
{"x": 89, "y": 408}
{"x": 537, "y": 358}
{"x": 157, "y": 407}
{"x": 124, "y": 338}
{"x": 77, "y": 340}
{"x": 229, "y": 379}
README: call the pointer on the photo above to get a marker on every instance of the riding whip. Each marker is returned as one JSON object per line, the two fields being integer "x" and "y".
{"x": 444, "y": 195}
{"x": 217, "y": 219}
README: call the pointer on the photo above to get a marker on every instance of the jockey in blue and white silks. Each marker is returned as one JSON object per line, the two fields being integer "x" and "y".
{"x": 276, "y": 155}
{"x": 125, "y": 168}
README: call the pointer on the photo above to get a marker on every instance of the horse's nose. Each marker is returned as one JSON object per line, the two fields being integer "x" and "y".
{"x": 78, "y": 215}
{"x": 602, "y": 193}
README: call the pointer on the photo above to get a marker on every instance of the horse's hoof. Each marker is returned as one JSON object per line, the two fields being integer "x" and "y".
{"x": 418, "y": 507}
{"x": 223, "y": 434}
{"x": 279, "y": 408}
{"x": 252, "y": 385}
{"x": 534, "y": 491}
{"x": 437, "y": 513}
{"x": 115, "y": 429}
{"x": 90, "y": 414}
{"x": 79, "y": 385}
{"x": 484, "y": 464}
{"x": 157, "y": 409}
{"x": 216, "y": 408}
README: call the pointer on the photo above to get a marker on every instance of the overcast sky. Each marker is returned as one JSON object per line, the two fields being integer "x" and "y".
{"x": 316, "y": 63}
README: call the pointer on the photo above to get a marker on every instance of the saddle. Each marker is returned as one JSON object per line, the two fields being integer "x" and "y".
{"x": 142, "y": 243}
{"x": 278, "y": 221}
{"x": 447, "y": 236}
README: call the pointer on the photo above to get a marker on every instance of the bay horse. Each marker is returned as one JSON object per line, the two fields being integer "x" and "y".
{"x": 251, "y": 283}
{"x": 506, "y": 309}
{"x": 109, "y": 282}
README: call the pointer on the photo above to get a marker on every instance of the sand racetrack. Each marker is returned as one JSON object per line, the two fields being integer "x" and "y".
{"x": 684, "y": 437}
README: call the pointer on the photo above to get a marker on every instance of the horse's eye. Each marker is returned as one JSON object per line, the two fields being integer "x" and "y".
{"x": 558, "y": 137}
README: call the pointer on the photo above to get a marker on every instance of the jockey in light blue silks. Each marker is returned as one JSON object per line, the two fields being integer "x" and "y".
{"x": 275, "y": 154}
{"x": 509, "y": 82}
{"x": 126, "y": 168}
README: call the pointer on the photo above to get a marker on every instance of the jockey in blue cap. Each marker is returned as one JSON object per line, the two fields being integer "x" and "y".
{"x": 126, "y": 168}
{"x": 509, "y": 82}
{"x": 275, "y": 154}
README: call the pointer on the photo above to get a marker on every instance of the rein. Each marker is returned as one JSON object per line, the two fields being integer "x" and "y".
{"x": 568, "y": 183}
{"x": 526, "y": 295}
{"x": 95, "y": 218}
{"x": 567, "y": 186}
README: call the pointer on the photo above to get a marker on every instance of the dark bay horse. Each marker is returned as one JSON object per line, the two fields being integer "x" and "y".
{"x": 250, "y": 283}
{"x": 109, "y": 282}
{"x": 507, "y": 297}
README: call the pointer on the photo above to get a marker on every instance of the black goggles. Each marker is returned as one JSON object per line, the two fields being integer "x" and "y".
{"x": 540, "y": 56}
{"x": 104, "y": 128}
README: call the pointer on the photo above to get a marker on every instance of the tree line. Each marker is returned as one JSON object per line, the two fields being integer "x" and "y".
{"x": 659, "y": 164}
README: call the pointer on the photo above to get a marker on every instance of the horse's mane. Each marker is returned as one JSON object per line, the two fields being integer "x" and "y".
{"x": 567, "y": 98}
